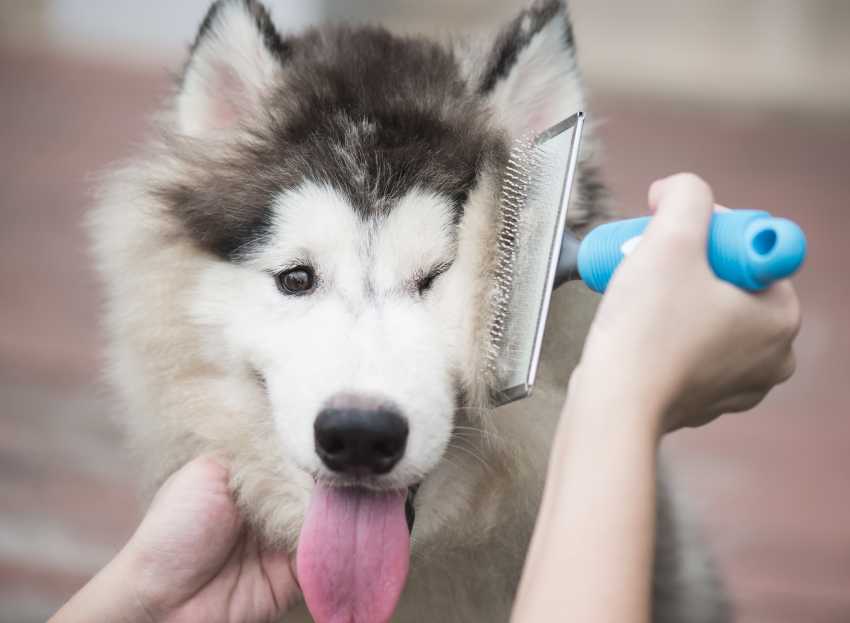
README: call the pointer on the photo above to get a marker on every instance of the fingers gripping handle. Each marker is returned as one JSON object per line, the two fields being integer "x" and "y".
{"x": 748, "y": 248}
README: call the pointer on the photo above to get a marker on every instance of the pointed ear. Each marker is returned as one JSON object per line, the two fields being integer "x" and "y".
{"x": 233, "y": 64}
{"x": 530, "y": 77}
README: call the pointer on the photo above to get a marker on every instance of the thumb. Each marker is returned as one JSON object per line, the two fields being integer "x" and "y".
{"x": 683, "y": 206}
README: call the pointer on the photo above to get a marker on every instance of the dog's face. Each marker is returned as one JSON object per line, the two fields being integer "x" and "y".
{"x": 347, "y": 179}
{"x": 345, "y": 286}
{"x": 351, "y": 321}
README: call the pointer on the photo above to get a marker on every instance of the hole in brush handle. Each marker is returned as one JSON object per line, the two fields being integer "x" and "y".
{"x": 764, "y": 241}
{"x": 776, "y": 249}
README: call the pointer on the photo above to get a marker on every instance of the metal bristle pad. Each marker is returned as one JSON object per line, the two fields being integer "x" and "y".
{"x": 522, "y": 164}
{"x": 533, "y": 204}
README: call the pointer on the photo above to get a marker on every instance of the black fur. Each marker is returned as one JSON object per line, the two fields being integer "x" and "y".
{"x": 588, "y": 200}
{"x": 515, "y": 38}
{"x": 264, "y": 23}
{"x": 370, "y": 113}
{"x": 399, "y": 105}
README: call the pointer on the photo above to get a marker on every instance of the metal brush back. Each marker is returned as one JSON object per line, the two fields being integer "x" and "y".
{"x": 534, "y": 200}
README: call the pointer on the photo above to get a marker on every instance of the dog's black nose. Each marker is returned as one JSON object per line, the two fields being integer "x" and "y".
{"x": 360, "y": 441}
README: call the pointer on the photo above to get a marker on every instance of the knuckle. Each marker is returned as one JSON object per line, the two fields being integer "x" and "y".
{"x": 685, "y": 206}
{"x": 789, "y": 366}
{"x": 674, "y": 233}
{"x": 680, "y": 233}
{"x": 743, "y": 401}
{"x": 795, "y": 317}
{"x": 789, "y": 316}
{"x": 753, "y": 399}
{"x": 690, "y": 183}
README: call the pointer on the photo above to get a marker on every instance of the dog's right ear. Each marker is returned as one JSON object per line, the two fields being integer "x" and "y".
{"x": 234, "y": 63}
{"x": 530, "y": 79}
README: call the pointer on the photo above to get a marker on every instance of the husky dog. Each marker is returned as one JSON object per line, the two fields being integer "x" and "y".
{"x": 298, "y": 268}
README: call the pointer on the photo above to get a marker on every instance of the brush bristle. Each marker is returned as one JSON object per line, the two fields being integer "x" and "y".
{"x": 522, "y": 165}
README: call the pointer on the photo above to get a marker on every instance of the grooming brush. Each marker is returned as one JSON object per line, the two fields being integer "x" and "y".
{"x": 535, "y": 253}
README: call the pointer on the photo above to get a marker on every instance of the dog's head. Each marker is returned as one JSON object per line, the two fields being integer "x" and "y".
{"x": 344, "y": 183}
{"x": 348, "y": 178}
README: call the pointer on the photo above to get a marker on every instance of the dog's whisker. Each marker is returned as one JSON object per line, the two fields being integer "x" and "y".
{"x": 450, "y": 462}
{"x": 472, "y": 454}
{"x": 490, "y": 438}
{"x": 481, "y": 431}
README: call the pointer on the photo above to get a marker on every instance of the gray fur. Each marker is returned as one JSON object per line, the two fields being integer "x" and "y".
{"x": 371, "y": 113}
{"x": 517, "y": 36}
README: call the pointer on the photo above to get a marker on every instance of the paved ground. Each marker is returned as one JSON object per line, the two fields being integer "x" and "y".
{"x": 771, "y": 486}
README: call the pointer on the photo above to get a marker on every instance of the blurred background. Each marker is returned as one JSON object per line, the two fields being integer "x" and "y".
{"x": 752, "y": 94}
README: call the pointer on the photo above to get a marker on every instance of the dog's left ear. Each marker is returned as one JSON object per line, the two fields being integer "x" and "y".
{"x": 233, "y": 64}
{"x": 530, "y": 76}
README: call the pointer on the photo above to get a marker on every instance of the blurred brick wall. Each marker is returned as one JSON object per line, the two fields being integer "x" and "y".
{"x": 770, "y": 486}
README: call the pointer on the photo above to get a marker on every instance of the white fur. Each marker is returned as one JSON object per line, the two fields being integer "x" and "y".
{"x": 228, "y": 76}
{"x": 364, "y": 330}
{"x": 415, "y": 236}
{"x": 543, "y": 87}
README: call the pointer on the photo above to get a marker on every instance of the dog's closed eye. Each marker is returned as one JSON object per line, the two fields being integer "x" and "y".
{"x": 424, "y": 283}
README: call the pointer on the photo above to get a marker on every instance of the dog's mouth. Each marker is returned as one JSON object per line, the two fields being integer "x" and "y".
{"x": 409, "y": 501}
{"x": 409, "y": 508}
{"x": 354, "y": 551}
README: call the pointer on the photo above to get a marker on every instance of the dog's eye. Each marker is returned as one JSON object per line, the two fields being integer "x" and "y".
{"x": 298, "y": 280}
{"x": 423, "y": 284}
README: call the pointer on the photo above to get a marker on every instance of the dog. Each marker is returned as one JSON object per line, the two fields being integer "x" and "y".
{"x": 297, "y": 268}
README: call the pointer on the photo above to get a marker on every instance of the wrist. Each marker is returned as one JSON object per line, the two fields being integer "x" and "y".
{"x": 128, "y": 578}
{"x": 149, "y": 597}
{"x": 109, "y": 596}
{"x": 602, "y": 401}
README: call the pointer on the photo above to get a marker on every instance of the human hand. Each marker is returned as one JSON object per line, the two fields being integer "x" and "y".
{"x": 193, "y": 559}
{"x": 672, "y": 335}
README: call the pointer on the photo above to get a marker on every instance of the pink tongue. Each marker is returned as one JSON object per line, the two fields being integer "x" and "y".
{"x": 353, "y": 555}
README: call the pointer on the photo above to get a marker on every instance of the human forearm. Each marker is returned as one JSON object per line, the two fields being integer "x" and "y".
{"x": 591, "y": 555}
{"x": 192, "y": 558}
{"x": 108, "y": 596}
{"x": 670, "y": 346}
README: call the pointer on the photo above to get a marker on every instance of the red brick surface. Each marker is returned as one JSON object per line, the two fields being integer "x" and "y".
{"x": 771, "y": 486}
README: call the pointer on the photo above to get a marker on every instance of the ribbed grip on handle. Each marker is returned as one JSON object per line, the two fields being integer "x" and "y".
{"x": 747, "y": 248}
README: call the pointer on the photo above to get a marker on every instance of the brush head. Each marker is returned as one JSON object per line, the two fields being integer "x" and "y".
{"x": 533, "y": 204}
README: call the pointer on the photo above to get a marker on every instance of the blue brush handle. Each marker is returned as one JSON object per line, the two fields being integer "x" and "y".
{"x": 748, "y": 248}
